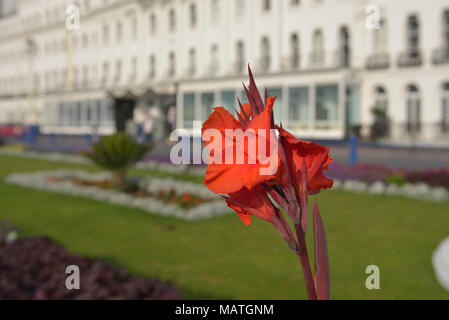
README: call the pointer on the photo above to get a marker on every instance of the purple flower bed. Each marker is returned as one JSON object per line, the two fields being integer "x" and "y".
{"x": 361, "y": 172}
{"x": 370, "y": 173}
{"x": 434, "y": 178}
{"x": 34, "y": 268}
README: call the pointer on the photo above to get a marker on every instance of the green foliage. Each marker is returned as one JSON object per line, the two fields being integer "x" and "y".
{"x": 396, "y": 178}
{"x": 117, "y": 152}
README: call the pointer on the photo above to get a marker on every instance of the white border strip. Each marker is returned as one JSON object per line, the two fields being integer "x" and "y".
{"x": 39, "y": 181}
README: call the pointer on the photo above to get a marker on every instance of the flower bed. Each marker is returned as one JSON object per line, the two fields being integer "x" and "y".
{"x": 34, "y": 268}
{"x": 167, "y": 197}
{"x": 185, "y": 200}
{"x": 417, "y": 191}
{"x": 371, "y": 173}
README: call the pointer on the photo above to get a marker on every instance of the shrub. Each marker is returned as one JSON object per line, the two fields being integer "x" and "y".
{"x": 116, "y": 153}
{"x": 396, "y": 178}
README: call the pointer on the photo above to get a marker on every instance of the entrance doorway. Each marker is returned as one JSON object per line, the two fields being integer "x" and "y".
{"x": 124, "y": 111}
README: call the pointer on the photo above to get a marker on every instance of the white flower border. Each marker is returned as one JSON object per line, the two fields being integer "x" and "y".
{"x": 420, "y": 191}
{"x": 39, "y": 181}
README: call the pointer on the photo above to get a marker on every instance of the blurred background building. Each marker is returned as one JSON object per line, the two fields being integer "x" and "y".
{"x": 377, "y": 68}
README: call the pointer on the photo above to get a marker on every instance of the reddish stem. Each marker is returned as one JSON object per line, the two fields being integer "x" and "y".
{"x": 305, "y": 264}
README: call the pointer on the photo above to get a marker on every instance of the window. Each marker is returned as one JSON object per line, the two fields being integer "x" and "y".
{"x": 266, "y": 5}
{"x": 413, "y": 36}
{"x": 188, "y": 110}
{"x": 318, "y": 48}
{"x": 214, "y": 60}
{"x": 266, "y": 56}
{"x": 294, "y": 49}
{"x": 298, "y": 108}
{"x": 239, "y": 9}
{"x": 240, "y": 57}
{"x": 152, "y": 66}
{"x": 445, "y": 107}
{"x": 277, "y": 109}
{"x": 76, "y": 113}
{"x": 192, "y": 62}
{"x": 85, "y": 40}
{"x": 153, "y": 24}
{"x": 118, "y": 71}
{"x": 345, "y": 54}
{"x": 134, "y": 28}
{"x": 105, "y": 72}
{"x": 85, "y": 76}
{"x": 90, "y": 113}
{"x": 105, "y": 35}
{"x": 380, "y": 100}
{"x": 172, "y": 65}
{"x": 227, "y": 100}
{"x": 94, "y": 38}
{"x": 207, "y": 104}
{"x": 215, "y": 12}
{"x": 413, "y": 109}
{"x": 326, "y": 112}
{"x": 119, "y": 31}
{"x": 380, "y": 37}
{"x": 95, "y": 113}
{"x": 446, "y": 29}
{"x": 134, "y": 68}
{"x": 172, "y": 20}
{"x": 75, "y": 78}
{"x": 192, "y": 15}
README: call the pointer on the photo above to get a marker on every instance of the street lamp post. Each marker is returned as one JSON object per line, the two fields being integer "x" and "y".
{"x": 33, "y": 128}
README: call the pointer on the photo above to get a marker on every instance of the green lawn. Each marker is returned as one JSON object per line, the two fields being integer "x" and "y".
{"x": 221, "y": 258}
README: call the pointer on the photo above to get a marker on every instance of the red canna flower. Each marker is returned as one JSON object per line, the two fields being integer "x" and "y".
{"x": 224, "y": 178}
{"x": 283, "y": 191}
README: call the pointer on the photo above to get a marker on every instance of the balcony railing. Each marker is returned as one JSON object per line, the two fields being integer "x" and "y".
{"x": 440, "y": 56}
{"x": 342, "y": 59}
{"x": 237, "y": 68}
{"x": 410, "y": 59}
{"x": 290, "y": 63}
{"x": 380, "y": 128}
{"x": 212, "y": 70}
{"x": 189, "y": 72}
{"x": 263, "y": 65}
{"x": 444, "y": 125}
{"x": 378, "y": 61}
{"x": 170, "y": 74}
{"x": 317, "y": 59}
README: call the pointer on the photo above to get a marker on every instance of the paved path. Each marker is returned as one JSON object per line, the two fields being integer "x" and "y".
{"x": 396, "y": 157}
{"x": 393, "y": 157}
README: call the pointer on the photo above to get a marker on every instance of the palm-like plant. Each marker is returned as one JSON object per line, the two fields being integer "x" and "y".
{"x": 116, "y": 153}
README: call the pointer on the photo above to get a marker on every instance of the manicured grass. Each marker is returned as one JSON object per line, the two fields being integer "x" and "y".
{"x": 221, "y": 258}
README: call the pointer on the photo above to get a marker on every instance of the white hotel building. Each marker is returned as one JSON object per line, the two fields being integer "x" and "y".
{"x": 331, "y": 72}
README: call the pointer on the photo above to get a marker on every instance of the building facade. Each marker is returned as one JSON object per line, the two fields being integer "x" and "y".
{"x": 380, "y": 67}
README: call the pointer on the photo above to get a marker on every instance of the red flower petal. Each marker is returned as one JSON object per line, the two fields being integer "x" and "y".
{"x": 316, "y": 158}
